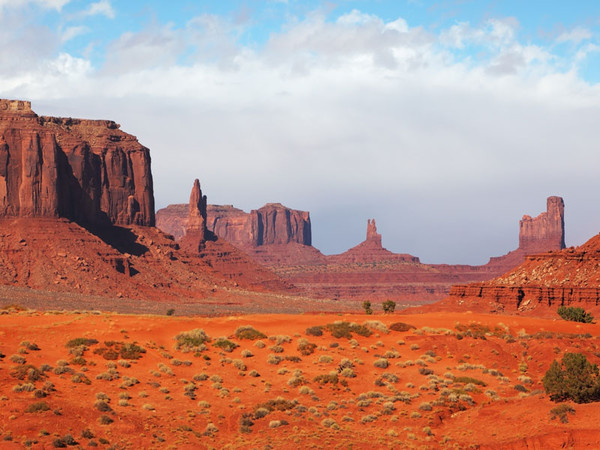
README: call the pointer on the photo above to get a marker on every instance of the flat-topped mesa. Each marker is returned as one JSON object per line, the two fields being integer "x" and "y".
{"x": 372, "y": 235}
{"x": 277, "y": 224}
{"x": 546, "y": 231}
{"x": 88, "y": 171}
{"x": 273, "y": 224}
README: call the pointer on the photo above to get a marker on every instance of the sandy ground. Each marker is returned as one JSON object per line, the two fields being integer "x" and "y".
{"x": 170, "y": 398}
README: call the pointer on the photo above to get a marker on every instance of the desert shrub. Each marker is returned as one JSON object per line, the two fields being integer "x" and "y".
{"x": 314, "y": 331}
{"x": 87, "y": 434}
{"x": 277, "y": 404}
{"x": 170, "y": 311}
{"x": 520, "y": 388}
{"x": 388, "y": 306}
{"x": 376, "y": 325}
{"x": 345, "y": 329}
{"x": 248, "y": 332}
{"x": 367, "y": 307}
{"x": 469, "y": 380}
{"x": 225, "y": 344}
{"x": 102, "y": 406}
{"x": 574, "y": 314}
{"x": 17, "y": 359}
{"x": 293, "y": 358}
{"x": 274, "y": 359}
{"x": 192, "y": 340}
{"x": 381, "y": 363}
{"x": 306, "y": 348}
{"x": 574, "y": 378}
{"x": 330, "y": 378}
{"x": 561, "y": 412}
{"x": 27, "y": 372}
{"x": 37, "y": 407}
{"x": 105, "y": 420}
{"x": 131, "y": 351}
{"x": 247, "y": 353}
{"x": 77, "y": 342}
{"x": 276, "y": 349}
{"x": 325, "y": 359}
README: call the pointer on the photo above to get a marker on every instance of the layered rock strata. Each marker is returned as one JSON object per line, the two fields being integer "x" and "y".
{"x": 88, "y": 171}
{"x": 544, "y": 281}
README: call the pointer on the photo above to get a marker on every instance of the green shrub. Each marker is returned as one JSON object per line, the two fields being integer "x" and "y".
{"x": 80, "y": 341}
{"x": 225, "y": 344}
{"x": 314, "y": 331}
{"x": 401, "y": 326}
{"x": 192, "y": 340}
{"x": 345, "y": 329}
{"x": 37, "y": 407}
{"x": 367, "y": 307}
{"x": 574, "y": 378}
{"x": 170, "y": 311}
{"x": 574, "y": 314}
{"x": 248, "y": 332}
{"x": 388, "y": 306}
{"x": 469, "y": 380}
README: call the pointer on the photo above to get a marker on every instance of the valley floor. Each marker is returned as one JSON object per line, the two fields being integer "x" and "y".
{"x": 455, "y": 380}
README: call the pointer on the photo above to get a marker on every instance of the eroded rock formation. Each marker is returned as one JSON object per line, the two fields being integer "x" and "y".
{"x": 88, "y": 171}
{"x": 544, "y": 281}
{"x": 273, "y": 224}
{"x": 546, "y": 231}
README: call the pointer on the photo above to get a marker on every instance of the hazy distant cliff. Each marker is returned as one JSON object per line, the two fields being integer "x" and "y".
{"x": 271, "y": 224}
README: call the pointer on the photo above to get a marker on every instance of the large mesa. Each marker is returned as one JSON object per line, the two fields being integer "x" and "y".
{"x": 88, "y": 171}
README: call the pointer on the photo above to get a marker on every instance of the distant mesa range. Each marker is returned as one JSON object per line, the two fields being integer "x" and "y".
{"x": 279, "y": 237}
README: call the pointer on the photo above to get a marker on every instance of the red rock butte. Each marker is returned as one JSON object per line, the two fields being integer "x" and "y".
{"x": 88, "y": 171}
{"x": 276, "y": 236}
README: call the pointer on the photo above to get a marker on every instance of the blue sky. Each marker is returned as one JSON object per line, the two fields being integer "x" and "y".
{"x": 444, "y": 120}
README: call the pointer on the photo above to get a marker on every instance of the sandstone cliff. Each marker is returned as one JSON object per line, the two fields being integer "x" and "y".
{"x": 273, "y": 224}
{"x": 546, "y": 231}
{"x": 88, "y": 171}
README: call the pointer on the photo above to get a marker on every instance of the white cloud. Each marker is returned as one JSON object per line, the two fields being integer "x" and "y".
{"x": 576, "y": 35}
{"x": 72, "y": 32}
{"x": 359, "y": 116}
{"x": 102, "y": 8}
{"x": 48, "y": 4}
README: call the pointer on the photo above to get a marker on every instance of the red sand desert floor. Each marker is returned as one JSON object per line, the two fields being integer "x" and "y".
{"x": 455, "y": 380}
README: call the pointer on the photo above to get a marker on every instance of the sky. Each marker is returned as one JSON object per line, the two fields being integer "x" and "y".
{"x": 446, "y": 121}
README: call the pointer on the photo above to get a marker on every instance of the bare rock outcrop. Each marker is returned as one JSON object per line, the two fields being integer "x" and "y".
{"x": 546, "y": 231}
{"x": 273, "y": 224}
{"x": 88, "y": 171}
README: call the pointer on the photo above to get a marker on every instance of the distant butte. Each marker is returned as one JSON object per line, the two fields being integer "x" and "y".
{"x": 279, "y": 238}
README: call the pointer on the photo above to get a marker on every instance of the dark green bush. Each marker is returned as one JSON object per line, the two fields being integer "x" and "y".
{"x": 315, "y": 331}
{"x": 367, "y": 307}
{"x": 388, "y": 306}
{"x": 345, "y": 329}
{"x": 80, "y": 341}
{"x": 247, "y": 332}
{"x": 574, "y": 378}
{"x": 225, "y": 344}
{"x": 575, "y": 314}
